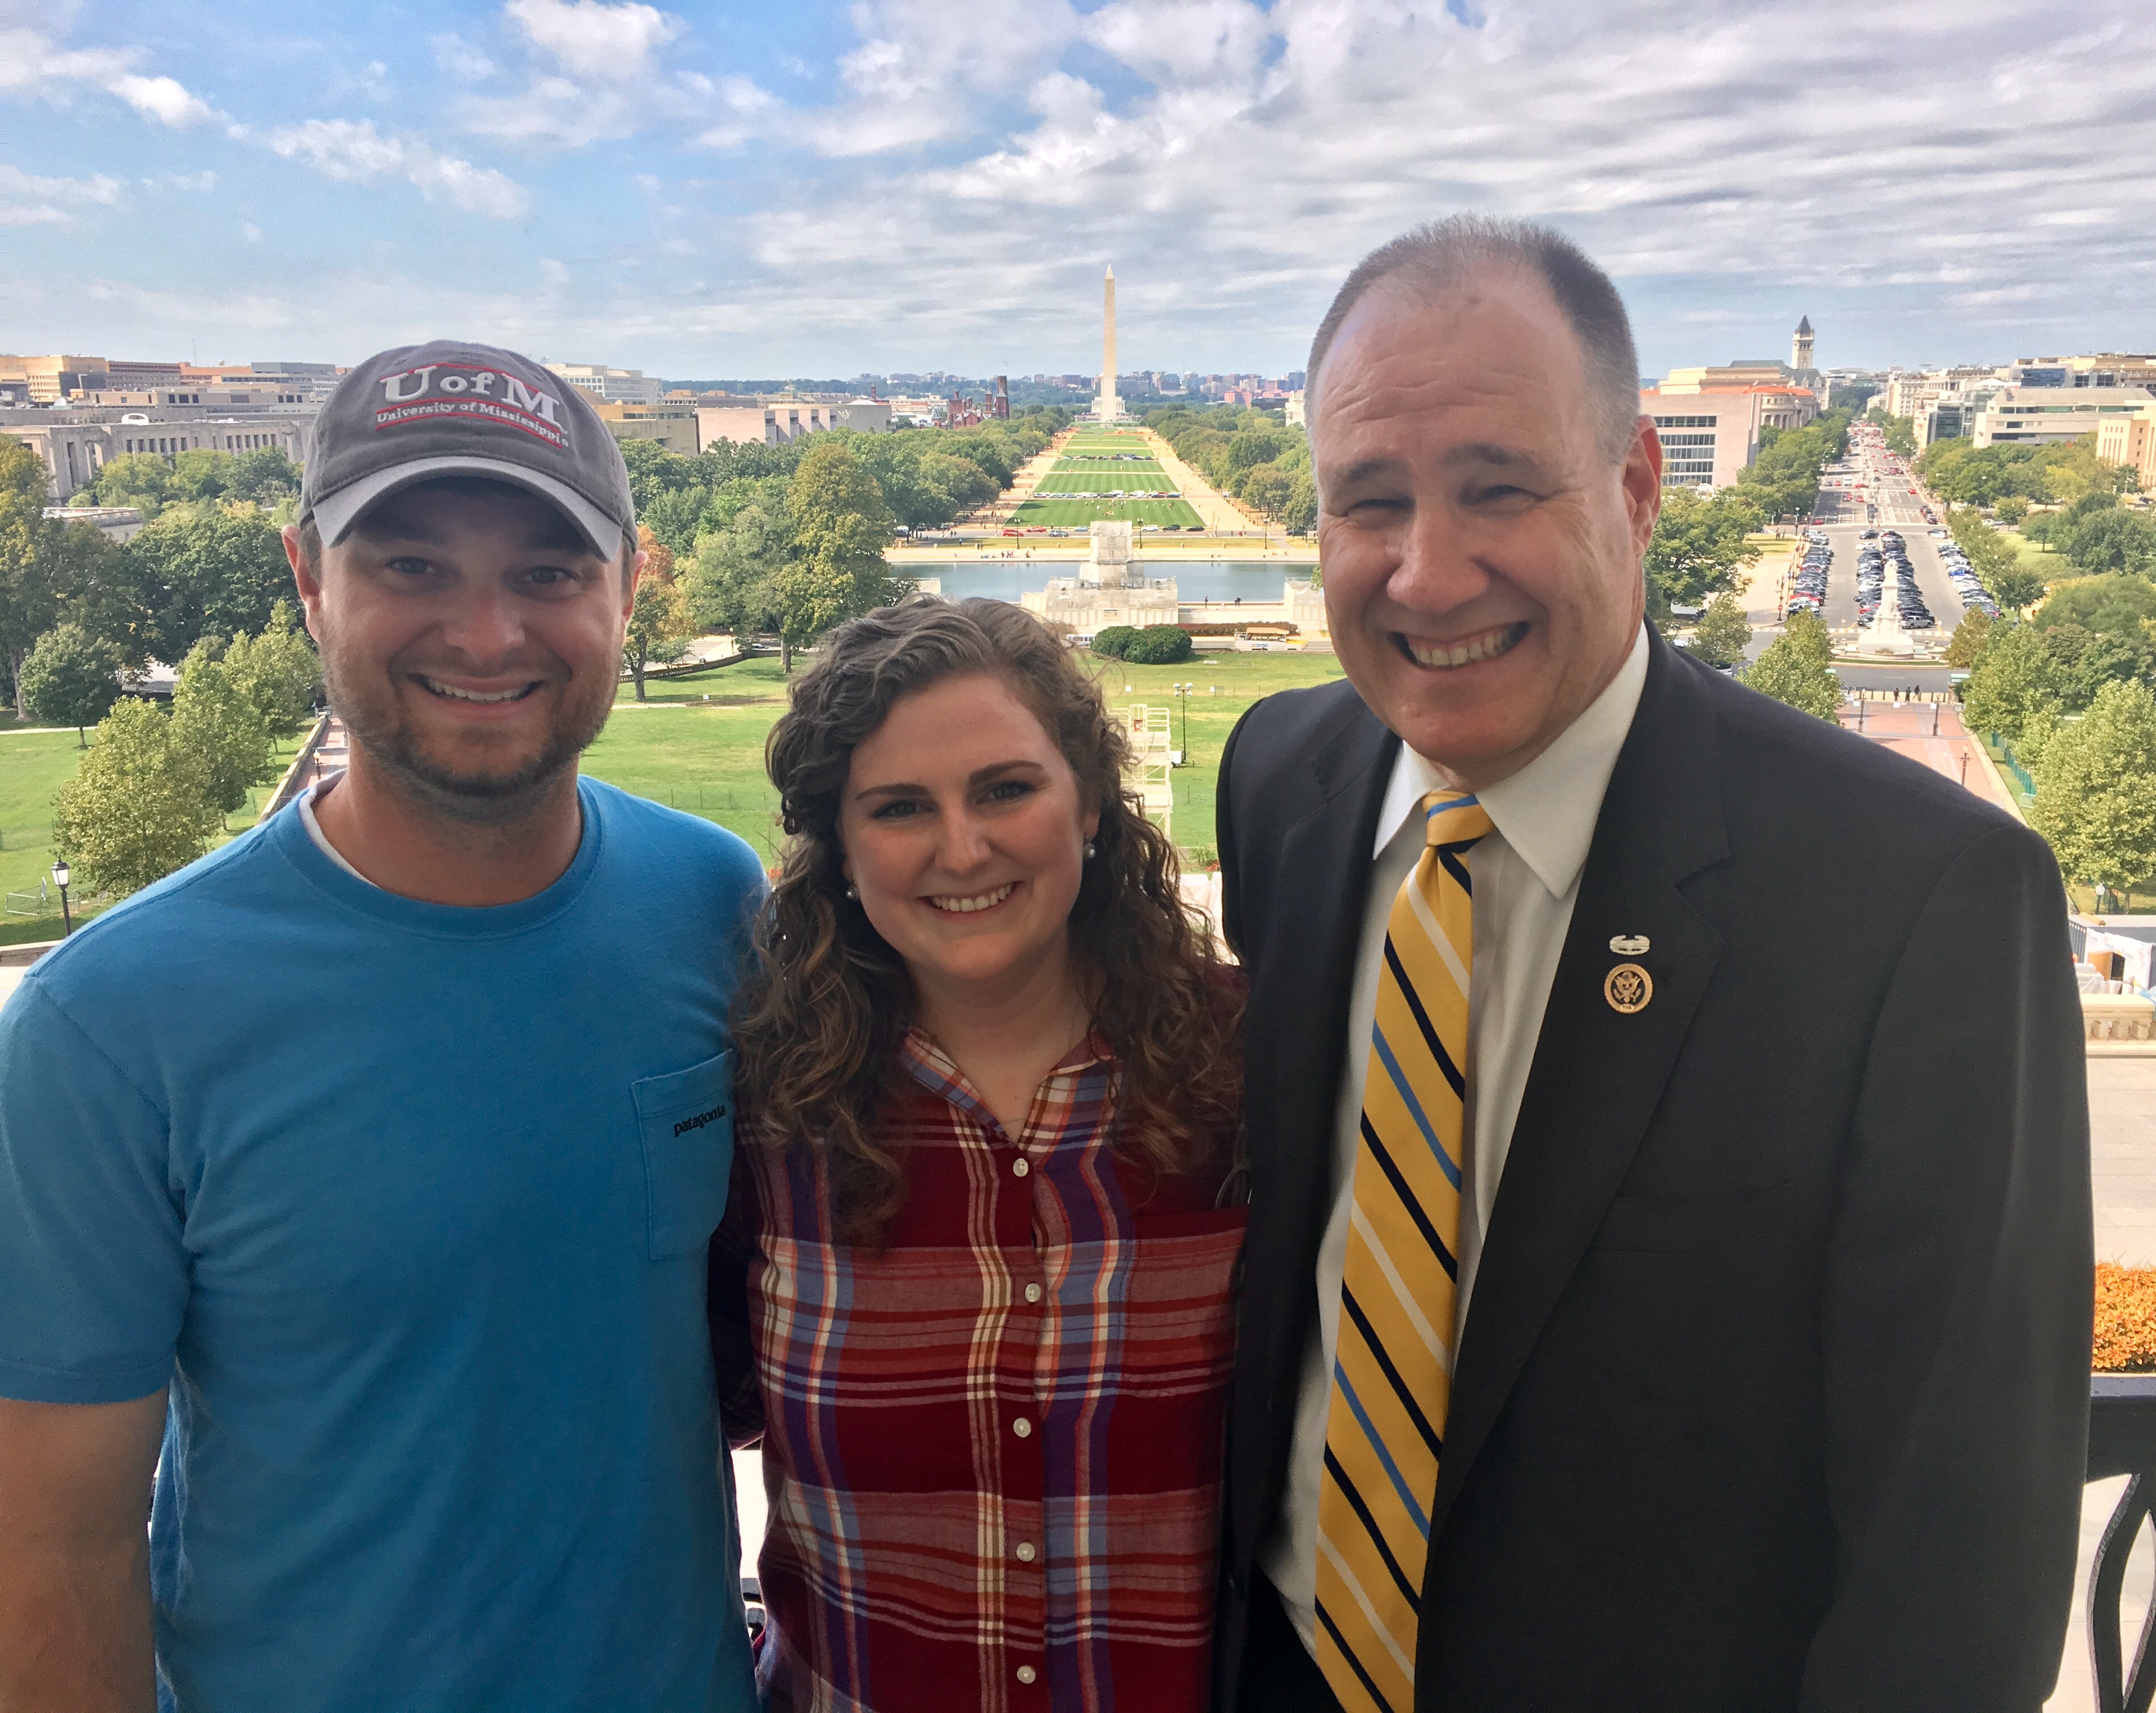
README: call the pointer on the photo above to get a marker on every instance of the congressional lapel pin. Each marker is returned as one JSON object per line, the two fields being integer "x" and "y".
{"x": 1628, "y": 945}
{"x": 1628, "y": 988}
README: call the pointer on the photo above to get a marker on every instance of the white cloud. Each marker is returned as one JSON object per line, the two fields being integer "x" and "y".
{"x": 196, "y": 182}
{"x": 915, "y": 78}
{"x": 459, "y": 59}
{"x": 353, "y": 151}
{"x": 162, "y": 98}
{"x": 612, "y": 44}
{"x": 748, "y": 107}
{"x": 1233, "y": 160}
{"x": 250, "y": 231}
{"x": 26, "y": 199}
{"x": 32, "y": 63}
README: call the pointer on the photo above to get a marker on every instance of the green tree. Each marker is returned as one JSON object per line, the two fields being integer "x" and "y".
{"x": 1790, "y": 673}
{"x": 2115, "y": 605}
{"x": 1722, "y": 635}
{"x": 2110, "y": 540}
{"x": 1995, "y": 560}
{"x": 2010, "y": 510}
{"x": 1300, "y": 514}
{"x": 70, "y": 678}
{"x": 730, "y": 584}
{"x": 1899, "y": 433}
{"x": 2015, "y": 586}
{"x": 1965, "y": 648}
{"x": 1159, "y": 646}
{"x": 200, "y": 473}
{"x": 264, "y": 476}
{"x": 28, "y": 602}
{"x": 202, "y": 570}
{"x": 214, "y": 721}
{"x": 138, "y": 806}
{"x": 1269, "y": 488}
{"x": 1697, "y": 549}
{"x": 277, "y": 669}
{"x": 659, "y": 628}
{"x": 2096, "y": 790}
{"x": 141, "y": 480}
{"x": 841, "y": 526}
{"x": 2016, "y": 681}
{"x": 1255, "y": 445}
{"x": 1114, "y": 641}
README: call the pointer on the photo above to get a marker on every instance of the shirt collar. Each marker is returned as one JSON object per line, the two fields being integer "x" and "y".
{"x": 1547, "y": 811}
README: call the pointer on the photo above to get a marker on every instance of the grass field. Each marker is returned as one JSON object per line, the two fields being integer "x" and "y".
{"x": 1076, "y": 513}
{"x": 33, "y": 765}
{"x": 1099, "y": 461}
{"x": 704, "y": 756}
{"x": 707, "y": 758}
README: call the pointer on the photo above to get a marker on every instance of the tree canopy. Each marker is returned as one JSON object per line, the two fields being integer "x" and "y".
{"x": 138, "y": 807}
{"x": 205, "y": 569}
{"x": 1698, "y": 546}
{"x": 1795, "y": 668}
{"x": 1251, "y": 455}
{"x": 2096, "y": 789}
{"x": 149, "y": 482}
{"x": 215, "y": 722}
{"x": 1959, "y": 471}
{"x": 1722, "y": 633}
{"x": 71, "y": 678}
{"x": 1782, "y": 480}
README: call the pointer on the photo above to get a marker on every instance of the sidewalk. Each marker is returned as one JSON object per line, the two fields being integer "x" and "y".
{"x": 1931, "y": 733}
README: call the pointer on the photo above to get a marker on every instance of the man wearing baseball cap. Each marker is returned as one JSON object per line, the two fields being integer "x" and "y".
{"x": 367, "y": 1165}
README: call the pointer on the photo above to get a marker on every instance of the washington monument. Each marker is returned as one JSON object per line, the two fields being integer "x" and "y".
{"x": 1107, "y": 406}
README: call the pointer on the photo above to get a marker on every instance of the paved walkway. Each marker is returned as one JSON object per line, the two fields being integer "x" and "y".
{"x": 1930, "y": 733}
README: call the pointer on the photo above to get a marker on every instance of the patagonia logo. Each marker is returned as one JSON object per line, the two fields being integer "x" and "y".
{"x": 462, "y": 390}
{"x": 699, "y": 1120}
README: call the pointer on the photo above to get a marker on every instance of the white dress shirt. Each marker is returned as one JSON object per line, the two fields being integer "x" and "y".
{"x": 1526, "y": 878}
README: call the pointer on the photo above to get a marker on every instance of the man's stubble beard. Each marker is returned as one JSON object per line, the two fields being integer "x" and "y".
{"x": 480, "y": 799}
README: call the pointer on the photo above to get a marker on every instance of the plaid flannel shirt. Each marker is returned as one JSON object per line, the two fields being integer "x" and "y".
{"x": 993, "y": 1449}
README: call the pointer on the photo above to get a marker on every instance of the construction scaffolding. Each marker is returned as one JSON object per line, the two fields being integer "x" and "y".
{"x": 1151, "y": 773}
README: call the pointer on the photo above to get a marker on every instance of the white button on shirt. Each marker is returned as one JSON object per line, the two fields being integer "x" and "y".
{"x": 1526, "y": 878}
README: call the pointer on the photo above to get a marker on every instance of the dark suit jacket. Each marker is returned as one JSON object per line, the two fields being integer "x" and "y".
{"x": 1773, "y": 1392}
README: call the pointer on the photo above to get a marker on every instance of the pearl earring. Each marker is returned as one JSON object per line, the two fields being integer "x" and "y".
{"x": 1090, "y": 852}
{"x": 854, "y": 892}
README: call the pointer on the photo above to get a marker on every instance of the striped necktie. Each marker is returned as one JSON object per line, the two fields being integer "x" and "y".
{"x": 1392, "y": 1377}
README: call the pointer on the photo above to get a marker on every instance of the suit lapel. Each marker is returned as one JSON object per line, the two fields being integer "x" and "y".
{"x": 1597, "y": 1073}
{"x": 1299, "y": 994}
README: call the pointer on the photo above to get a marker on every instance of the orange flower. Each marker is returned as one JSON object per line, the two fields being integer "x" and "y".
{"x": 2125, "y": 1319}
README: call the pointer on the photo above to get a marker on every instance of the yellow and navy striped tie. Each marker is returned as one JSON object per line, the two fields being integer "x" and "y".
{"x": 1392, "y": 1377}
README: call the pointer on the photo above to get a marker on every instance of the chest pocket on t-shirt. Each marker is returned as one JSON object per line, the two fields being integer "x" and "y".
{"x": 687, "y": 1123}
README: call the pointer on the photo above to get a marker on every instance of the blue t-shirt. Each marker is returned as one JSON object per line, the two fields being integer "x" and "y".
{"x": 409, "y": 1202}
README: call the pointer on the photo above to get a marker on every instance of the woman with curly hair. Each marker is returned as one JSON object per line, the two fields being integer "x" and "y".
{"x": 975, "y": 1285}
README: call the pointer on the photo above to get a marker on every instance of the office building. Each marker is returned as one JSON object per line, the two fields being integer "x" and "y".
{"x": 2131, "y": 441}
{"x": 610, "y": 386}
{"x": 1710, "y": 433}
{"x": 775, "y": 421}
{"x": 74, "y": 452}
{"x": 2046, "y": 413}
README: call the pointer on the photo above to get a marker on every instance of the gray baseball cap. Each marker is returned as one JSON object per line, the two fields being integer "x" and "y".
{"x": 447, "y": 408}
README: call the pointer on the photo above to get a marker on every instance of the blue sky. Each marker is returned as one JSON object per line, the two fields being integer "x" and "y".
{"x": 729, "y": 190}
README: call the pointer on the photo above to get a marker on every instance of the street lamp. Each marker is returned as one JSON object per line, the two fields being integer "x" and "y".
{"x": 1184, "y": 690}
{"x": 61, "y": 875}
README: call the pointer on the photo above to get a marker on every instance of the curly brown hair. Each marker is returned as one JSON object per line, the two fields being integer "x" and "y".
{"x": 818, "y": 1018}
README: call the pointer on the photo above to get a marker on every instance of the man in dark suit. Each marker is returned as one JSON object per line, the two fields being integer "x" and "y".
{"x": 1668, "y": 1283}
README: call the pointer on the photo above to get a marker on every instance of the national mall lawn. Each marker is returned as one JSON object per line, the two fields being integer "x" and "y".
{"x": 707, "y": 757}
{"x": 698, "y": 744}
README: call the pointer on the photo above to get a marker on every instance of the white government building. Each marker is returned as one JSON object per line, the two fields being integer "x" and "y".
{"x": 1115, "y": 590}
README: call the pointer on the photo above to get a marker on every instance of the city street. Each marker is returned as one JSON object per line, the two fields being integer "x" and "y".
{"x": 1848, "y": 494}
